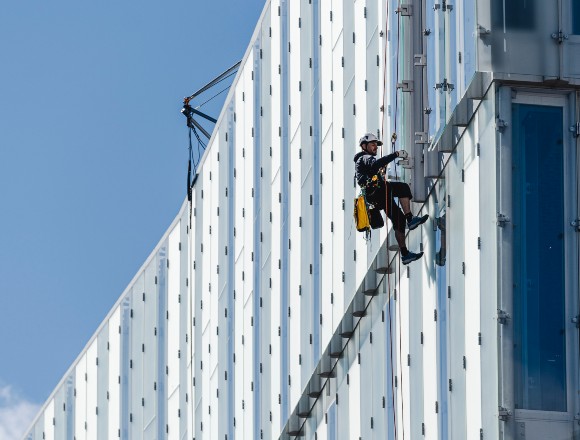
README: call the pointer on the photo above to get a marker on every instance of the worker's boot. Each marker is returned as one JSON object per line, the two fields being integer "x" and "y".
{"x": 416, "y": 221}
{"x": 411, "y": 256}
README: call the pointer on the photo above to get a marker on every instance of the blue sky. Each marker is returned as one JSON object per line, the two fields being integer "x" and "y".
{"x": 93, "y": 161}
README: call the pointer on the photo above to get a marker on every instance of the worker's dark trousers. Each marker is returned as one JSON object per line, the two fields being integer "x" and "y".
{"x": 384, "y": 198}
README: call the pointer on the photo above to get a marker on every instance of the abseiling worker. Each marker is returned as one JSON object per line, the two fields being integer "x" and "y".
{"x": 379, "y": 192}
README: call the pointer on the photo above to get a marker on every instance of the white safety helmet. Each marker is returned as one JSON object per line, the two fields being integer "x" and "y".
{"x": 369, "y": 137}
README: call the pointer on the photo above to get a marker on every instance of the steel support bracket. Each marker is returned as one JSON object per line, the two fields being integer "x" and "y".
{"x": 420, "y": 59}
{"x": 502, "y": 316}
{"x": 405, "y": 10}
{"x": 503, "y": 414}
{"x": 406, "y": 163}
{"x": 502, "y": 219}
{"x": 576, "y": 224}
{"x": 405, "y": 85}
{"x": 576, "y": 321}
{"x": 421, "y": 137}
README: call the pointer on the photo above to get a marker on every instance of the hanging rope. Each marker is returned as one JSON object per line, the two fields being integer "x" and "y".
{"x": 213, "y": 97}
{"x": 400, "y": 351}
{"x": 192, "y": 163}
{"x": 398, "y": 273}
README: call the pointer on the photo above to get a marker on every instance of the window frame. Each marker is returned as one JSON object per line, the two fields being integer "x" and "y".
{"x": 566, "y": 101}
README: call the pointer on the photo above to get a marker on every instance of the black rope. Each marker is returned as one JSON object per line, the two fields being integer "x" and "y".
{"x": 214, "y": 96}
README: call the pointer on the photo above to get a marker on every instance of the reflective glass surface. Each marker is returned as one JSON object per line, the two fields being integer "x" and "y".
{"x": 514, "y": 14}
{"x": 538, "y": 258}
{"x": 576, "y": 17}
{"x": 469, "y": 43}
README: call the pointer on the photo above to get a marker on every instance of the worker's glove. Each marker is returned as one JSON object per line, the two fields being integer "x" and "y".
{"x": 402, "y": 154}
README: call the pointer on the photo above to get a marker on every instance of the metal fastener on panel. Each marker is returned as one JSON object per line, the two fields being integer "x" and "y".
{"x": 482, "y": 31}
{"x": 443, "y": 6}
{"x": 576, "y": 224}
{"x": 576, "y": 321}
{"x": 502, "y": 316}
{"x": 560, "y": 36}
{"x": 445, "y": 86}
{"x": 575, "y": 129}
{"x": 500, "y": 124}
{"x": 405, "y": 10}
{"x": 503, "y": 413}
{"x": 502, "y": 219}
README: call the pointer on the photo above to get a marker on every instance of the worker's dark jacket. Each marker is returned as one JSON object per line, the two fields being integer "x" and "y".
{"x": 380, "y": 195}
{"x": 366, "y": 166}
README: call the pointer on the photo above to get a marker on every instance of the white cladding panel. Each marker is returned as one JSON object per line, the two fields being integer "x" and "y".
{"x": 136, "y": 367}
{"x": 173, "y": 300}
{"x": 48, "y": 421}
{"x": 472, "y": 363}
{"x": 114, "y": 373}
{"x": 80, "y": 398}
{"x": 91, "y": 379}
{"x": 456, "y": 273}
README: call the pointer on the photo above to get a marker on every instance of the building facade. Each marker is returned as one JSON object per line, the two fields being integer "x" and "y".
{"x": 263, "y": 313}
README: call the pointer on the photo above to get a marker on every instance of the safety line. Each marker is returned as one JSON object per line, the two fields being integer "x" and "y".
{"x": 213, "y": 97}
{"x": 391, "y": 350}
{"x": 393, "y": 140}
{"x": 389, "y": 209}
{"x": 400, "y": 351}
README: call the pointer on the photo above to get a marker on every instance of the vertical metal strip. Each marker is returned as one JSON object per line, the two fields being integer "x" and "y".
{"x": 162, "y": 341}
{"x": 416, "y": 121}
{"x": 257, "y": 219}
{"x": 285, "y": 221}
{"x": 231, "y": 321}
{"x": 575, "y": 304}
{"x": 505, "y": 266}
{"x": 70, "y": 408}
{"x": 124, "y": 370}
{"x": 316, "y": 145}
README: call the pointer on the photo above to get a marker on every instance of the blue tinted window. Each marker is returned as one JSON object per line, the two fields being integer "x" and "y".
{"x": 514, "y": 14}
{"x": 538, "y": 257}
{"x": 576, "y": 17}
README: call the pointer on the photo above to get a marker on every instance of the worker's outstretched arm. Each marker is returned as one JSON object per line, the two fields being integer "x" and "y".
{"x": 376, "y": 164}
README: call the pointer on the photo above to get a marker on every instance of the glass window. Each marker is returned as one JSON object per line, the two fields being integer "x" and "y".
{"x": 576, "y": 17}
{"x": 514, "y": 14}
{"x": 538, "y": 258}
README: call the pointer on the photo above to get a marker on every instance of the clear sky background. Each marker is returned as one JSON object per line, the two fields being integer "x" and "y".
{"x": 93, "y": 163}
